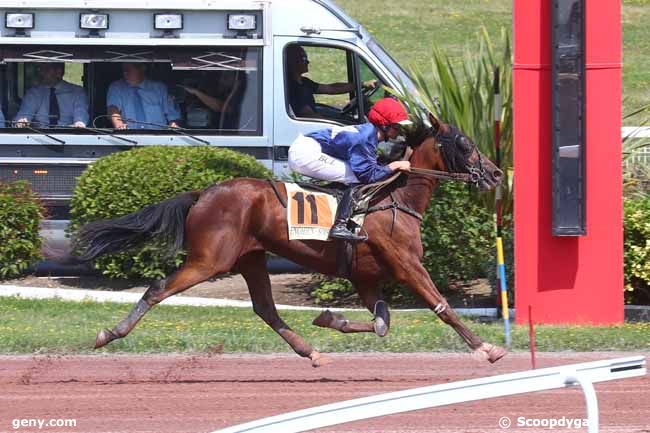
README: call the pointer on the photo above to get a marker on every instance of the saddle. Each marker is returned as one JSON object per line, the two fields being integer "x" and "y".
{"x": 363, "y": 194}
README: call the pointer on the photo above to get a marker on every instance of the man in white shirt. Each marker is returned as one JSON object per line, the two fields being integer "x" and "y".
{"x": 54, "y": 102}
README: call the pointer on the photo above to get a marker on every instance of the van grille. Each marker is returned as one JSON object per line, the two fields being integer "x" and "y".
{"x": 48, "y": 181}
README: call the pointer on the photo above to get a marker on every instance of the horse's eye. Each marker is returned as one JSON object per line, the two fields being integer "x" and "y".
{"x": 464, "y": 143}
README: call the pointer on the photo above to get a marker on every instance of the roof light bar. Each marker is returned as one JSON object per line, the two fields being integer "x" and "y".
{"x": 168, "y": 21}
{"x": 241, "y": 22}
{"x": 19, "y": 21}
{"x": 93, "y": 21}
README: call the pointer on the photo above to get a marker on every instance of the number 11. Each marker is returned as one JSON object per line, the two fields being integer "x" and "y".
{"x": 300, "y": 198}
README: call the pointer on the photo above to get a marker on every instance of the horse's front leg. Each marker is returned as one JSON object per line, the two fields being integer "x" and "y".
{"x": 408, "y": 270}
{"x": 370, "y": 296}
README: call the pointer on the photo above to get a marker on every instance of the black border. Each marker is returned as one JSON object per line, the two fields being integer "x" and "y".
{"x": 556, "y": 113}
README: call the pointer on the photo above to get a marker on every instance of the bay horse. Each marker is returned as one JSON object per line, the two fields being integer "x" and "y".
{"x": 229, "y": 227}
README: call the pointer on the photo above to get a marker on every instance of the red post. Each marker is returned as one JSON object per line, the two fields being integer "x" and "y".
{"x": 568, "y": 279}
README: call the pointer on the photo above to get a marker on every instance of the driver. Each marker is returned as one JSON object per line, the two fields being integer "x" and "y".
{"x": 302, "y": 89}
{"x": 348, "y": 154}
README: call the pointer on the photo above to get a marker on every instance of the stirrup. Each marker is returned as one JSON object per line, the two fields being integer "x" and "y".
{"x": 341, "y": 232}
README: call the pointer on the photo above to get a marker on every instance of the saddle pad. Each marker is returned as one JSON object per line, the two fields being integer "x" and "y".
{"x": 310, "y": 214}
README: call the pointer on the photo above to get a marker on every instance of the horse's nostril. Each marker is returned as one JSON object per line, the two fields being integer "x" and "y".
{"x": 497, "y": 174}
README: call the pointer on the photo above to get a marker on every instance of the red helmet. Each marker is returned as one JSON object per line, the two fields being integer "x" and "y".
{"x": 387, "y": 112}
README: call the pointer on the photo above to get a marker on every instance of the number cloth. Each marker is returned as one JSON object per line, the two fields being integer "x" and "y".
{"x": 310, "y": 214}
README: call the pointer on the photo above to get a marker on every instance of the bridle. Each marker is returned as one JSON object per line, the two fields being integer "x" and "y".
{"x": 447, "y": 142}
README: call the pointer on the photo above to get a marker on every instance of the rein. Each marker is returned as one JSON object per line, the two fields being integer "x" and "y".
{"x": 445, "y": 175}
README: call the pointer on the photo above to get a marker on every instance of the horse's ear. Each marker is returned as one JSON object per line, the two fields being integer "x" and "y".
{"x": 435, "y": 123}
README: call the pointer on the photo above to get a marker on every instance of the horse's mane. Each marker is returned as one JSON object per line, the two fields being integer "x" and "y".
{"x": 417, "y": 133}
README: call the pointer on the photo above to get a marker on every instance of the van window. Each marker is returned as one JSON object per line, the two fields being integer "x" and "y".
{"x": 319, "y": 83}
{"x": 386, "y": 60}
{"x": 368, "y": 75}
{"x": 322, "y": 83}
{"x": 211, "y": 90}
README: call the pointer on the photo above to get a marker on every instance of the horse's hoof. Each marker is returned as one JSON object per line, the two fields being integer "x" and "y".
{"x": 490, "y": 352}
{"x": 319, "y": 360}
{"x": 324, "y": 319}
{"x": 381, "y": 322}
{"x": 103, "y": 338}
{"x": 380, "y": 327}
{"x": 327, "y": 319}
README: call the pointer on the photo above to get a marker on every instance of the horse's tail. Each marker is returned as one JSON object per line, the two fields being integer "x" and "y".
{"x": 164, "y": 220}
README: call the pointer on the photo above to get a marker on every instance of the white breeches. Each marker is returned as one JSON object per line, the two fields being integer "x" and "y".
{"x": 306, "y": 157}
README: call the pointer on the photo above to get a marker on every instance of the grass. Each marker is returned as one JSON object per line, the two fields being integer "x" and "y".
{"x": 408, "y": 30}
{"x": 55, "y": 326}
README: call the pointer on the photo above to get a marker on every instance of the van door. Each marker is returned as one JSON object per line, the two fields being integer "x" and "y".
{"x": 331, "y": 74}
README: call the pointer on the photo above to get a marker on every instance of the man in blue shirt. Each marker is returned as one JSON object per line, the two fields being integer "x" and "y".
{"x": 54, "y": 102}
{"x": 136, "y": 102}
{"x": 348, "y": 154}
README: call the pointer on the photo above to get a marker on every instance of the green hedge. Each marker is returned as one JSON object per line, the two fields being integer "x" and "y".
{"x": 125, "y": 182}
{"x": 20, "y": 215}
{"x": 637, "y": 250}
{"x": 457, "y": 234}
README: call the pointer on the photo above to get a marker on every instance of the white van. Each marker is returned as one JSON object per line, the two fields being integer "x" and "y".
{"x": 237, "y": 52}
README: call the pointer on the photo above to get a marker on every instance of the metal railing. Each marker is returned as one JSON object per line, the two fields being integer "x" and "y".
{"x": 583, "y": 375}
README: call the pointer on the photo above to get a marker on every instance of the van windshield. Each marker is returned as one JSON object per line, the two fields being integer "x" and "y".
{"x": 387, "y": 60}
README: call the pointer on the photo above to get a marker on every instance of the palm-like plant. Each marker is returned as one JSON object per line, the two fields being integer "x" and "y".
{"x": 463, "y": 94}
{"x": 636, "y": 173}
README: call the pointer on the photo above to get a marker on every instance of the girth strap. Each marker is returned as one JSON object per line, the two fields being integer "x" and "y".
{"x": 394, "y": 206}
{"x": 398, "y": 206}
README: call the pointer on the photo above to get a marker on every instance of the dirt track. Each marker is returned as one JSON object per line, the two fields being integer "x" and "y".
{"x": 182, "y": 393}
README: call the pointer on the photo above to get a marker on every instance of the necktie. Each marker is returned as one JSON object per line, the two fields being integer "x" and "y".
{"x": 139, "y": 108}
{"x": 54, "y": 113}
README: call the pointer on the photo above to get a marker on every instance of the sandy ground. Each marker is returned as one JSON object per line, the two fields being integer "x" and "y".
{"x": 193, "y": 394}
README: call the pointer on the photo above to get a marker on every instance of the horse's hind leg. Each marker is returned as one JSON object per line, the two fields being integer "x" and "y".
{"x": 190, "y": 274}
{"x": 369, "y": 294}
{"x": 252, "y": 266}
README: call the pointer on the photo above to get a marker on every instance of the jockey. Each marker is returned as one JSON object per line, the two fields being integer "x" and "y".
{"x": 348, "y": 154}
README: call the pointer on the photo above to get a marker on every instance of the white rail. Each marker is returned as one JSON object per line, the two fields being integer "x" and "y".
{"x": 457, "y": 392}
{"x": 635, "y": 131}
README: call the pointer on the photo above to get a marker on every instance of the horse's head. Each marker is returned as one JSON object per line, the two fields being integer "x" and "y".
{"x": 445, "y": 148}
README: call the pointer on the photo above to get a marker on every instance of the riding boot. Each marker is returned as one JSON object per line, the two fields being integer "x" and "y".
{"x": 343, "y": 213}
